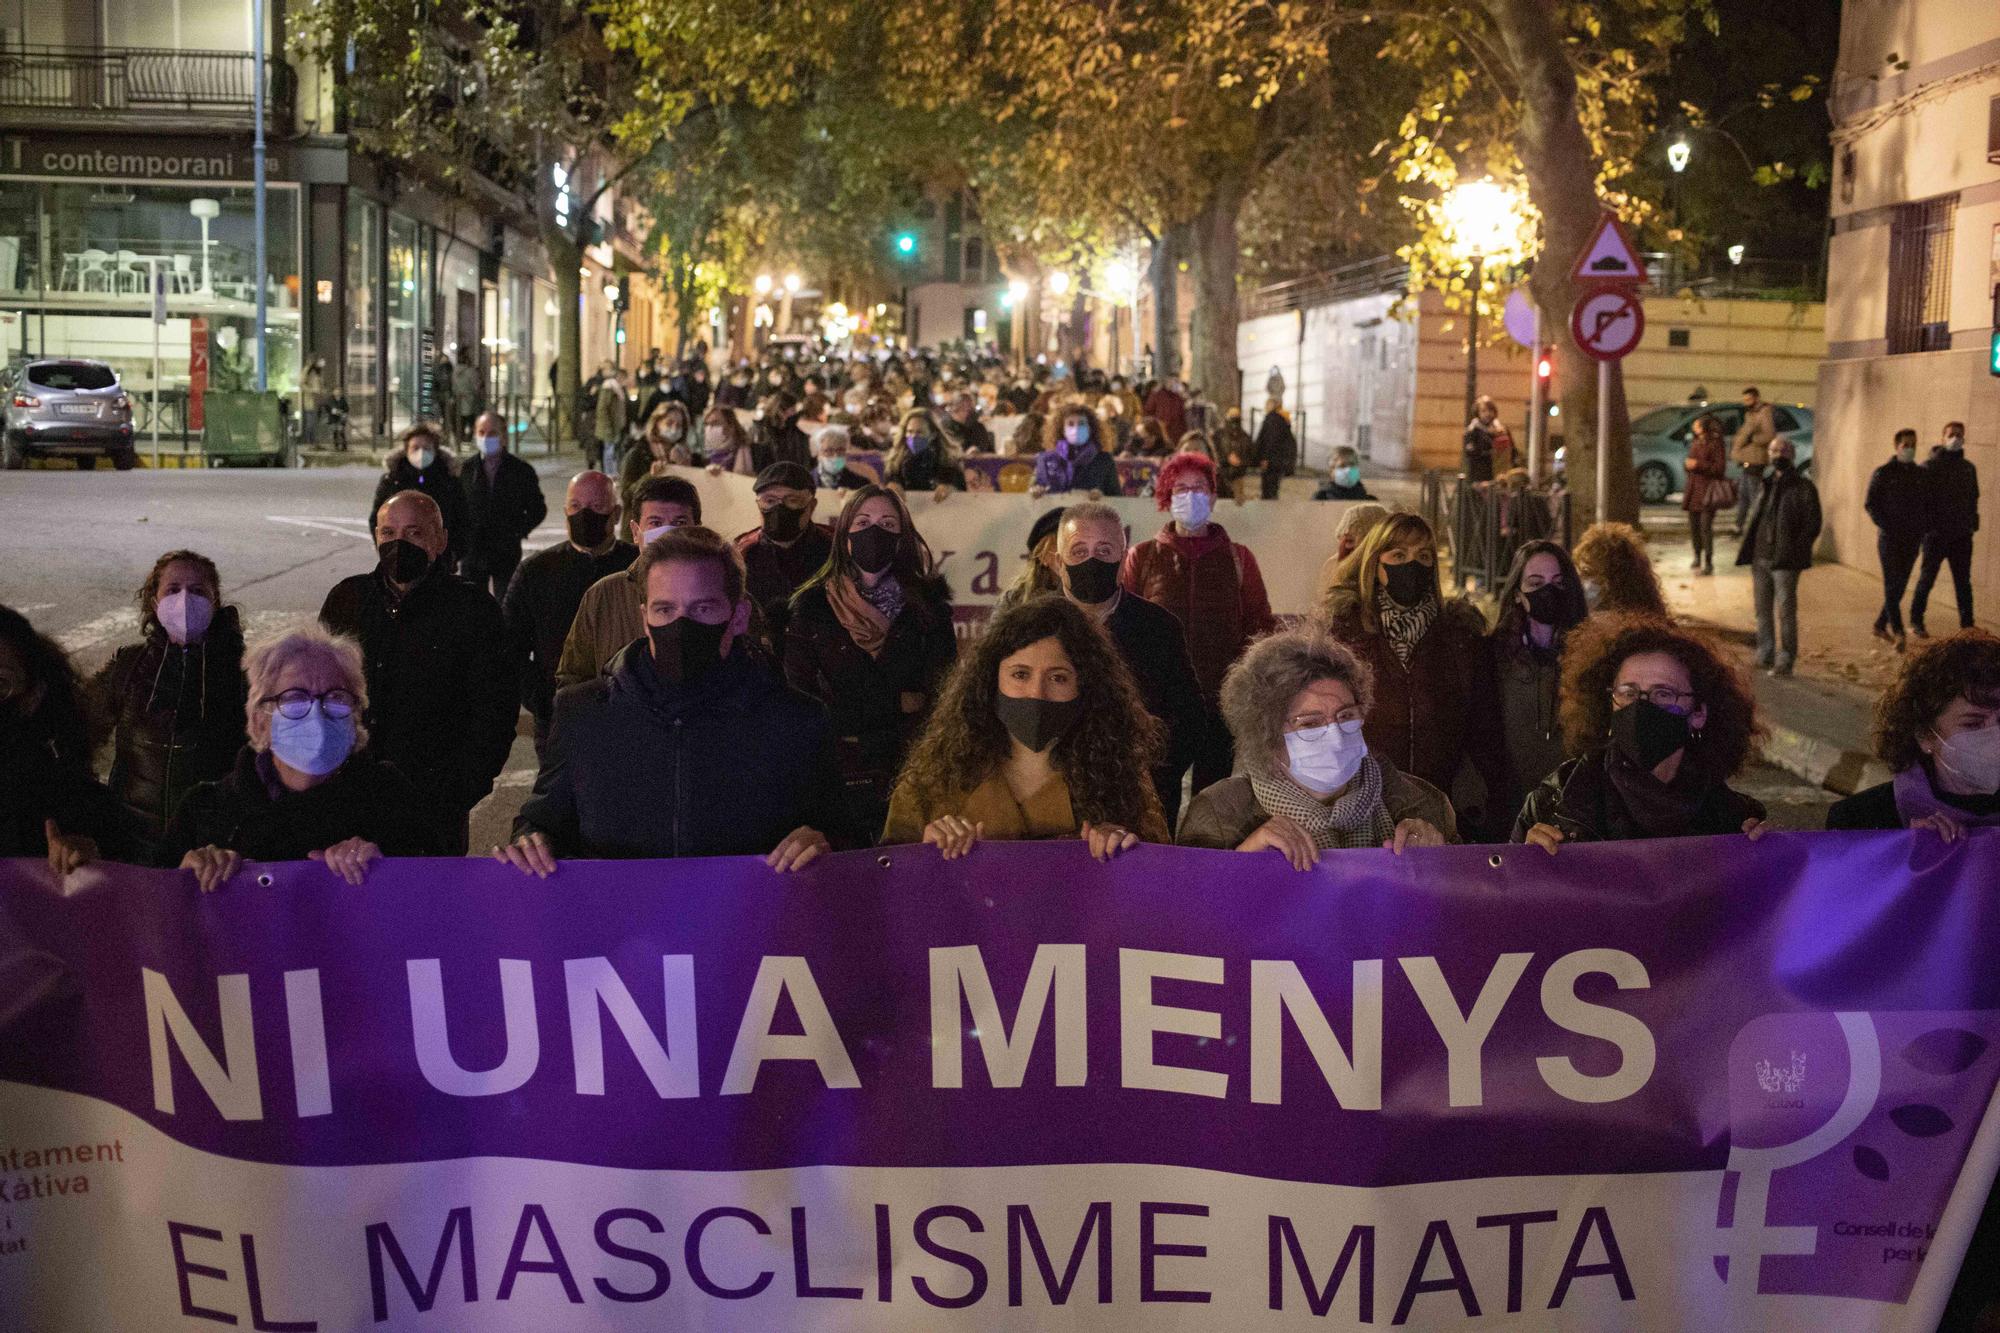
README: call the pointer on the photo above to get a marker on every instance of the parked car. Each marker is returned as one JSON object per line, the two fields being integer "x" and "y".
{"x": 1660, "y": 441}
{"x": 65, "y": 408}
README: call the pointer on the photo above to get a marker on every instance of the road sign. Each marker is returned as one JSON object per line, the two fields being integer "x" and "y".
{"x": 1606, "y": 324}
{"x": 1609, "y": 257}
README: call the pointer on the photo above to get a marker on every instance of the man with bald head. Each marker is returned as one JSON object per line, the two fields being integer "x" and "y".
{"x": 542, "y": 600}
{"x": 503, "y": 504}
{"x": 443, "y": 683}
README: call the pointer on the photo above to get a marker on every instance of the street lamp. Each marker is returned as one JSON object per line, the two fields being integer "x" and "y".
{"x": 206, "y": 210}
{"x": 763, "y": 284}
{"x": 1736, "y": 255}
{"x": 1058, "y": 283}
{"x": 1482, "y": 219}
{"x": 791, "y": 283}
{"x": 1678, "y": 153}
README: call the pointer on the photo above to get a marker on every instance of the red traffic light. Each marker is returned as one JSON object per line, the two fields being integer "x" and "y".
{"x": 1545, "y": 367}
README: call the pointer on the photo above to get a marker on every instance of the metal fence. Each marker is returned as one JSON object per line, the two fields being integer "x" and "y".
{"x": 1484, "y": 523}
{"x": 108, "y": 80}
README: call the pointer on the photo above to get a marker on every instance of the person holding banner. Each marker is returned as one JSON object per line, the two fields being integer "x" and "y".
{"x": 1937, "y": 727}
{"x": 1425, "y": 651}
{"x": 1039, "y": 733}
{"x": 725, "y": 443}
{"x": 1520, "y": 709}
{"x": 923, "y": 458}
{"x": 870, "y": 636}
{"x": 1660, "y": 722}
{"x": 690, "y": 745}
{"x": 1297, "y": 702}
{"x": 50, "y": 805}
{"x": 305, "y": 786}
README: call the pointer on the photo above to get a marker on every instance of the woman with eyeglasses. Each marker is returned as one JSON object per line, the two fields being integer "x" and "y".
{"x": 1937, "y": 727}
{"x": 1306, "y": 780}
{"x": 1660, "y": 722}
{"x": 304, "y": 787}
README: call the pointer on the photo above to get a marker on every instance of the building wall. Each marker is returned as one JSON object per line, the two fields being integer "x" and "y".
{"x": 1904, "y": 136}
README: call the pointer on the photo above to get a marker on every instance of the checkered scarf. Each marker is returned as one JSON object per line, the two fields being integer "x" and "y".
{"x": 1358, "y": 818}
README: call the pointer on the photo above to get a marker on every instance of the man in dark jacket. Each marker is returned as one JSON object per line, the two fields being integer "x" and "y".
{"x": 1954, "y": 517}
{"x": 1898, "y": 502}
{"x": 690, "y": 745}
{"x": 787, "y": 548}
{"x": 503, "y": 504}
{"x": 542, "y": 600}
{"x": 443, "y": 685}
{"x": 1778, "y": 546}
{"x": 1277, "y": 448}
{"x": 1091, "y": 546}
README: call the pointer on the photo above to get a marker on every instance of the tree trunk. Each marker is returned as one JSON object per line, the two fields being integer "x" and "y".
{"x": 565, "y": 256}
{"x": 1562, "y": 180}
{"x": 1216, "y": 257}
{"x": 1163, "y": 274}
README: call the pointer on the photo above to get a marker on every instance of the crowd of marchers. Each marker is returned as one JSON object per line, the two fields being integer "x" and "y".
{"x": 803, "y": 687}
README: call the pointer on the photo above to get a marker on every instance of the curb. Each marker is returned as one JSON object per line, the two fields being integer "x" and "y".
{"x": 1821, "y": 762}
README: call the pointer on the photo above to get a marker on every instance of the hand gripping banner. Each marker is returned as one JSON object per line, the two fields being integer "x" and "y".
{"x": 1671, "y": 1085}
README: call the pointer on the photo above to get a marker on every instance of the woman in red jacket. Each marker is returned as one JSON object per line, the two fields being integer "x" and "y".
{"x": 1194, "y": 570}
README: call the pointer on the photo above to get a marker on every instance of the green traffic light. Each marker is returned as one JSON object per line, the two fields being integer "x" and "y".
{"x": 906, "y": 243}
{"x": 1993, "y": 354}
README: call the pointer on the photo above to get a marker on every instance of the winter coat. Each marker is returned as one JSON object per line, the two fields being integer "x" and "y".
{"x": 728, "y": 766}
{"x": 1899, "y": 499}
{"x": 1785, "y": 523}
{"x": 1332, "y": 490}
{"x": 608, "y": 617}
{"x": 1092, "y": 470}
{"x": 1277, "y": 448}
{"x": 773, "y": 442}
{"x": 1954, "y": 498}
{"x": 1485, "y": 448}
{"x": 925, "y": 471}
{"x": 541, "y": 605}
{"x": 772, "y": 573}
{"x": 1518, "y": 717}
{"x": 1170, "y": 410}
{"x": 863, "y": 694}
{"x": 1212, "y": 585}
{"x": 439, "y": 481}
{"x": 443, "y": 682}
{"x": 972, "y": 437}
{"x": 500, "y": 511}
{"x": 177, "y": 717}
{"x": 1154, "y": 645}
{"x": 1752, "y": 446}
{"x": 1423, "y": 718}
{"x": 1707, "y": 472}
{"x": 1579, "y": 800}
{"x": 610, "y": 412}
{"x": 36, "y": 786}
{"x": 1223, "y": 815}
{"x": 250, "y": 813}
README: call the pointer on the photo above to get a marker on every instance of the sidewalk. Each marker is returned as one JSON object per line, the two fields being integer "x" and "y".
{"x": 1819, "y": 718}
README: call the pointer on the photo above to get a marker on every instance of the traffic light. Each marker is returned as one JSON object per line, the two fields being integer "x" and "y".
{"x": 1545, "y": 367}
{"x": 1993, "y": 346}
{"x": 906, "y": 244}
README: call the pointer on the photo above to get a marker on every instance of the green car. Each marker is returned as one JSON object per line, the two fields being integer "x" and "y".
{"x": 1660, "y": 441}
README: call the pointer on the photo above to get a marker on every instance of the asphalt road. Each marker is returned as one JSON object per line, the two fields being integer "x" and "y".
{"x": 75, "y": 545}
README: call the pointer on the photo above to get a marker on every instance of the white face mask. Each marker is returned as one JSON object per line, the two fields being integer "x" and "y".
{"x": 423, "y": 458}
{"x": 1325, "y": 759}
{"x": 185, "y": 616}
{"x": 717, "y": 437}
{"x": 1972, "y": 760}
{"x": 1191, "y": 508}
{"x": 1592, "y": 590}
{"x": 489, "y": 445}
{"x": 1954, "y": 442}
{"x": 647, "y": 534}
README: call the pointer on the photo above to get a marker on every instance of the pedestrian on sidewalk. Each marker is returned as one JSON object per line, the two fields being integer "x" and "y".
{"x": 1954, "y": 517}
{"x": 1486, "y": 441}
{"x": 1778, "y": 547}
{"x": 1276, "y": 449}
{"x": 1708, "y": 488}
{"x": 1937, "y": 727}
{"x": 1752, "y": 449}
{"x": 1898, "y": 501}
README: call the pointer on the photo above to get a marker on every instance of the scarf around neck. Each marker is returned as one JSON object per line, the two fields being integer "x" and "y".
{"x": 865, "y": 613}
{"x": 1660, "y": 809}
{"x": 1404, "y": 626}
{"x": 1917, "y": 796}
{"x": 1357, "y": 818}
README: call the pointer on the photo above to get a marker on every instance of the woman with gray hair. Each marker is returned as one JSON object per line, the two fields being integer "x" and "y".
{"x": 1306, "y": 782}
{"x": 301, "y": 788}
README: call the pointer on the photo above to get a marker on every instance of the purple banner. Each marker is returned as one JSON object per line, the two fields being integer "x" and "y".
{"x": 1781, "y": 1045}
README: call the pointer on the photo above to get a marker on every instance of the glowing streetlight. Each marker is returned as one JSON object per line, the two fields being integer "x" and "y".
{"x": 1482, "y": 221}
{"x": 1678, "y": 153}
{"x": 1058, "y": 283}
{"x": 611, "y": 292}
{"x": 792, "y": 282}
{"x": 1121, "y": 278}
{"x": 763, "y": 284}
{"x": 1736, "y": 254}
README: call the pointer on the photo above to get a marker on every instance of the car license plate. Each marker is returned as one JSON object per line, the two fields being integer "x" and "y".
{"x": 77, "y": 409}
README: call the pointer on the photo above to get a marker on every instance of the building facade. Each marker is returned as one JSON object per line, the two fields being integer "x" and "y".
{"x": 1915, "y": 257}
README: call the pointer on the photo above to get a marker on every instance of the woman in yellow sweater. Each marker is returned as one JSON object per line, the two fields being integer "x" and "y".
{"x": 1038, "y": 733}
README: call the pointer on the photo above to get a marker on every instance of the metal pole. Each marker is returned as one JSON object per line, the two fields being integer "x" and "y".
{"x": 1472, "y": 337}
{"x": 1537, "y": 409}
{"x": 1603, "y": 439}
{"x": 257, "y": 157}
{"x": 159, "y": 302}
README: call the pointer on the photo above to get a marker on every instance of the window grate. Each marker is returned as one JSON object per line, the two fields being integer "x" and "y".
{"x": 1920, "y": 276}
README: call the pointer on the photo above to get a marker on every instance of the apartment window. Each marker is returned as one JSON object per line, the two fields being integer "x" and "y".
{"x": 975, "y": 259}
{"x": 1677, "y": 337}
{"x": 1920, "y": 276}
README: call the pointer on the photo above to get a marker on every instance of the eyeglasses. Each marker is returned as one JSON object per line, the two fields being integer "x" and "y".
{"x": 1660, "y": 696}
{"x": 298, "y": 704}
{"x": 794, "y": 501}
{"x": 1320, "y": 721}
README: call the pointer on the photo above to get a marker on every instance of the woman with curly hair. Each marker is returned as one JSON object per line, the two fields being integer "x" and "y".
{"x": 1938, "y": 729}
{"x": 1076, "y": 454}
{"x": 923, "y": 457}
{"x": 1039, "y": 733}
{"x": 1660, "y": 722}
{"x": 1617, "y": 574}
{"x": 1305, "y": 780}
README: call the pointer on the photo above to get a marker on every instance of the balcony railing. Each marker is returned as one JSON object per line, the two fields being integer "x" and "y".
{"x": 113, "y": 82}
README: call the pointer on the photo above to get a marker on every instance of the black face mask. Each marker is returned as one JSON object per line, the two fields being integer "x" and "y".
{"x": 1037, "y": 723}
{"x": 1646, "y": 734}
{"x": 402, "y": 562}
{"x": 1782, "y": 464}
{"x": 873, "y": 549}
{"x": 587, "y": 528}
{"x": 1407, "y": 584}
{"x": 1547, "y": 604}
{"x": 1092, "y": 581}
{"x": 686, "y": 649}
{"x": 782, "y": 522}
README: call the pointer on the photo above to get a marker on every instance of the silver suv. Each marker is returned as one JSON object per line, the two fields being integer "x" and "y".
{"x": 65, "y": 407}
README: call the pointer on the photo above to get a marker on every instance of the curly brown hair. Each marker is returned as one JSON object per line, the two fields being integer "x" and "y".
{"x": 1613, "y": 555}
{"x": 149, "y": 591}
{"x": 1595, "y": 650}
{"x": 1106, "y": 759}
{"x": 1967, "y": 663}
